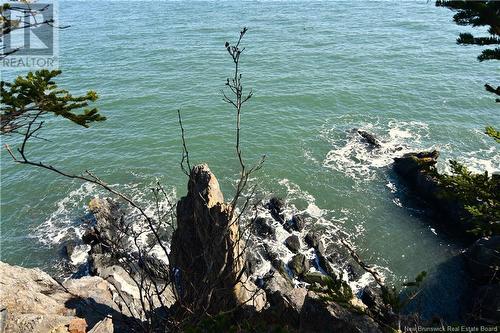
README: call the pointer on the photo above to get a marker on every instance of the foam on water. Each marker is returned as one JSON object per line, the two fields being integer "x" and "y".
{"x": 315, "y": 217}
{"x": 64, "y": 222}
{"x": 353, "y": 157}
{"x": 67, "y": 221}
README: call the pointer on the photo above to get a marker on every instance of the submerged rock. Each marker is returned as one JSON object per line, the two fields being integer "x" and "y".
{"x": 369, "y": 138}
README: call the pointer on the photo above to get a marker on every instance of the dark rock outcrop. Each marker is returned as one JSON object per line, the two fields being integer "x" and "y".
{"x": 298, "y": 223}
{"x": 419, "y": 172}
{"x": 275, "y": 207}
{"x": 313, "y": 240}
{"x": 293, "y": 243}
{"x": 299, "y": 264}
{"x": 369, "y": 138}
{"x": 486, "y": 305}
{"x": 264, "y": 228}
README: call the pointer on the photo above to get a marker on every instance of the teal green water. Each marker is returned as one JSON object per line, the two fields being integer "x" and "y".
{"x": 318, "y": 69}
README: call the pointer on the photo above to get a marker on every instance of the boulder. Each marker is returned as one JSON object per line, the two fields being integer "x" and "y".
{"x": 104, "y": 326}
{"x": 275, "y": 207}
{"x": 264, "y": 228}
{"x": 298, "y": 223}
{"x": 285, "y": 300}
{"x": 313, "y": 240}
{"x": 293, "y": 243}
{"x": 318, "y": 315}
{"x": 36, "y": 303}
{"x": 207, "y": 250}
{"x": 299, "y": 264}
{"x": 69, "y": 247}
{"x": 107, "y": 232}
{"x": 316, "y": 278}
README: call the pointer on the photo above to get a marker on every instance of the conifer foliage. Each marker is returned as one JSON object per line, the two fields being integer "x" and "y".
{"x": 478, "y": 14}
{"x": 35, "y": 95}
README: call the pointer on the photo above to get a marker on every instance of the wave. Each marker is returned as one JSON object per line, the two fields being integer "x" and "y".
{"x": 69, "y": 221}
{"x": 353, "y": 157}
{"x": 328, "y": 222}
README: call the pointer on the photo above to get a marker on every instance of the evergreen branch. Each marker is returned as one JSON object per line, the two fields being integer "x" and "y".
{"x": 489, "y": 54}
{"x": 467, "y": 38}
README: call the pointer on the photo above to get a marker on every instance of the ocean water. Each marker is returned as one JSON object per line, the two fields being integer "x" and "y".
{"x": 318, "y": 70}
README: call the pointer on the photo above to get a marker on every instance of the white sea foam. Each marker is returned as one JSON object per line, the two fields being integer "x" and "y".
{"x": 66, "y": 222}
{"x": 353, "y": 157}
{"x": 298, "y": 201}
{"x": 63, "y": 222}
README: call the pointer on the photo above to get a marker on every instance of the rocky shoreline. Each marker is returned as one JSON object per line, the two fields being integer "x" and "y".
{"x": 310, "y": 292}
{"x": 482, "y": 256}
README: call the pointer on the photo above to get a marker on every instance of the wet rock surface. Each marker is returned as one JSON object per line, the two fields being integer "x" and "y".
{"x": 418, "y": 171}
{"x": 293, "y": 243}
{"x": 283, "y": 295}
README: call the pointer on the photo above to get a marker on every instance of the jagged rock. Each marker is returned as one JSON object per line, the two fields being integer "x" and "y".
{"x": 483, "y": 259}
{"x": 275, "y": 207}
{"x": 36, "y": 303}
{"x": 318, "y": 315}
{"x": 106, "y": 233}
{"x": 298, "y": 223}
{"x": 299, "y": 264}
{"x": 419, "y": 172}
{"x": 104, "y": 326}
{"x": 108, "y": 218}
{"x": 316, "y": 278}
{"x": 326, "y": 265}
{"x": 263, "y": 228}
{"x": 370, "y": 139}
{"x": 69, "y": 247}
{"x": 285, "y": 300}
{"x": 313, "y": 240}
{"x": 293, "y": 243}
{"x": 207, "y": 249}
